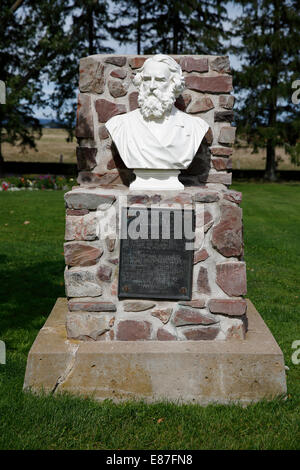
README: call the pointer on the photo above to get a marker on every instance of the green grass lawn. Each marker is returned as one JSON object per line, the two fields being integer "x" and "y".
{"x": 32, "y": 264}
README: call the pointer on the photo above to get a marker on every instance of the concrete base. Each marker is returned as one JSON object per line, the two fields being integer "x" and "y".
{"x": 181, "y": 371}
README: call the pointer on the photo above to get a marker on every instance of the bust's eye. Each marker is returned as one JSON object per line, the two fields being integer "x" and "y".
{"x": 161, "y": 79}
{"x": 146, "y": 79}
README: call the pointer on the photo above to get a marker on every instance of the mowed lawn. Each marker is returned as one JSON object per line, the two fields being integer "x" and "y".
{"x": 32, "y": 267}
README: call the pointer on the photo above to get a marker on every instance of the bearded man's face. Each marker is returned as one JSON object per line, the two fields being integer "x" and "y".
{"x": 156, "y": 95}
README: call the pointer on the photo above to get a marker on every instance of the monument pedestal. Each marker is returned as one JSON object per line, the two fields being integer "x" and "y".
{"x": 154, "y": 180}
{"x": 130, "y": 276}
{"x": 200, "y": 372}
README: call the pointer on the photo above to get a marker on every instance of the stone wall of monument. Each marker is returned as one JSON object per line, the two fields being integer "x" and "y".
{"x": 216, "y": 310}
{"x": 106, "y": 89}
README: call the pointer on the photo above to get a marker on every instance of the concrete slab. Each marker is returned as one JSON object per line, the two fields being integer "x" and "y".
{"x": 181, "y": 371}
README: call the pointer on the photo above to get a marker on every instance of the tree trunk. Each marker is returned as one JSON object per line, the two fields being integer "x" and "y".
{"x": 270, "y": 173}
{"x": 175, "y": 32}
{"x": 91, "y": 31}
{"x": 1, "y": 157}
{"x": 139, "y": 29}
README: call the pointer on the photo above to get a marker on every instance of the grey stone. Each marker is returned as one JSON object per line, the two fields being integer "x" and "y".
{"x": 83, "y": 325}
{"x": 88, "y": 200}
{"x": 227, "y": 135}
{"x": 218, "y": 177}
{"x": 221, "y": 64}
{"x": 137, "y": 306}
{"x": 116, "y": 88}
{"x": 226, "y": 101}
{"x": 91, "y": 304}
{"x": 91, "y": 77}
{"x": 207, "y": 196}
{"x": 81, "y": 282}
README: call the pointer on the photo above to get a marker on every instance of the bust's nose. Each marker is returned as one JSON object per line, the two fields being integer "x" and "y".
{"x": 152, "y": 84}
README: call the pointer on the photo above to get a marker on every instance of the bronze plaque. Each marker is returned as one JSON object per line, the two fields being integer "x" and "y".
{"x": 156, "y": 253}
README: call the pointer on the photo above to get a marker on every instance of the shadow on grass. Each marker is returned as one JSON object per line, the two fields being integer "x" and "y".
{"x": 27, "y": 296}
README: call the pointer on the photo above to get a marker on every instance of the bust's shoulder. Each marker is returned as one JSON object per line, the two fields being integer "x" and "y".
{"x": 190, "y": 121}
{"x": 120, "y": 119}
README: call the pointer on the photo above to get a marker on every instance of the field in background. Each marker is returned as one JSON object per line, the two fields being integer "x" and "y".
{"x": 49, "y": 148}
{"x": 53, "y": 144}
{"x": 244, "y": 159}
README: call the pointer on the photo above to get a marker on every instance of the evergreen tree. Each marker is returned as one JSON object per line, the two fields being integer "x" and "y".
{"x": 174, "y": 27}
{"x": 88, "y": 32}
{"x": 16, "y": 121}
{"x": 41, "y": 42}
{"x": 132, "y": 22}
{"x": 188, "y": 27}
{"x": 268, "y": 35}
{"x": 31, "y": 36}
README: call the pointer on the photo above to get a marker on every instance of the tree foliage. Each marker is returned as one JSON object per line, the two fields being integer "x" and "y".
{"x": 132, "y": 21}
{"x": 40, "y": 42}
{"x": 174, "y": 27}
{"x": 87, "y": 34}
{"x": 16, "y": 52}
{"x": 268, "y": 34}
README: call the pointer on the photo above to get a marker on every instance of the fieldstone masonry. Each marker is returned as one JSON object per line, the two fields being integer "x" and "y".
{"x": 217, "y": 309}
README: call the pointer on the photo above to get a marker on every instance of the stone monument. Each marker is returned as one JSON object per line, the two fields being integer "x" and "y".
{"x": 155, "y": 277}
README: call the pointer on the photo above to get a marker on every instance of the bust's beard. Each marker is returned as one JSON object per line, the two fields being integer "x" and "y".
{"x": 155, "y": 105}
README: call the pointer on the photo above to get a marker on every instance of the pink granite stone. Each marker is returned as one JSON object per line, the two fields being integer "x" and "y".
{"x": 133, "y": 330}
{"x": 231, "y": 277}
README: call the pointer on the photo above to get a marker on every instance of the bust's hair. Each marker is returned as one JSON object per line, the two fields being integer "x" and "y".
{"x": 175, "y": 69}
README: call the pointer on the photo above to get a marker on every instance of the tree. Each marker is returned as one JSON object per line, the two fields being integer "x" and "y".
{"x": 88, "y": 31}
{"x": 188, "y": 27}
{"x": 132, "y": 22}
{"x": 174, "y": 27}
{"x": 16, "y": 121}
{"x": 41, "y": 42}
{"x": 268, "y": 34}
{"x": 31, "y": 36}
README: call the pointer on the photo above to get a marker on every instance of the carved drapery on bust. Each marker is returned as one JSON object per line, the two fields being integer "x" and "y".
{"x": 171, "y": 144}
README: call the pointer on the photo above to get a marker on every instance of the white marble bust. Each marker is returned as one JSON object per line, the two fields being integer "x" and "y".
{"x": 157, "y": 136}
